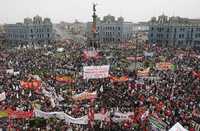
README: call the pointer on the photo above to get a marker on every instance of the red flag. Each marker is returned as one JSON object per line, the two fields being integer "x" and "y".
{"x": 196, "y": 74}
{"x": 91, "y": 117}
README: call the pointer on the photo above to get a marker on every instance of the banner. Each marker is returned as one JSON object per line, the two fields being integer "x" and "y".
{"x": 120, "y": 117}
{"x": 164, "y": 66}
{"x": 196, "y": 74}
{"x": 90, "y": 54}
{"x": 126, "y": 46}
{"x": 20, "y": 114}
{"x": 119, "y": 79}
{"x": 2, "y": 96}
{"x": 156, "y": 123}
{"x": 162, "y": 58}
{"x": 62, "y": 116}
{"x": 177, "y": 127}
{"x": 16, "y": 73}
{"x": 148, "y": 54}
{"x": 133, "y": 58}
{"x": 117, "y": 116}
{"x": 34, "y": 84}
{"x": 95, "y": 72}
{"x": 10, "y": 71}
{"x": 3, "y": 114}
{"x": 85, "y": 96}
{"x": 143, "y": 73}
{"x": 196, "y": 125}
{"x": 60, "y": 49}
{"x": 65, "y": 79}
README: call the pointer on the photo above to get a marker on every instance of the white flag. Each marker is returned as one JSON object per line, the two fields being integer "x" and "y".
{"x": 2, "y": 96}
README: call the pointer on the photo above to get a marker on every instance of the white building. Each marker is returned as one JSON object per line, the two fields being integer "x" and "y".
{"x": 141, "y": 27}
{"x": 32, "y": 31}
{"x": 175, "y": 31}
{"x": 110, "y": 30}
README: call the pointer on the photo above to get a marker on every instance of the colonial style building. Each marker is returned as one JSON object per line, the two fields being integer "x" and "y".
{"x": 2, "y": 34}
{"x": 32, "y": 31}
{"x": 174, "y": 31}
{"x": 141, "y": 27}
{"x": 110, "y": 30}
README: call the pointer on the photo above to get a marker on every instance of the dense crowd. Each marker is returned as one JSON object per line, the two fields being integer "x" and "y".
{"x": 169, "y": 95}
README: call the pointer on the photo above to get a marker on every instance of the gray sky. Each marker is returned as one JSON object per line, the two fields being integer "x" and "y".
{"x": 12, "y": 11}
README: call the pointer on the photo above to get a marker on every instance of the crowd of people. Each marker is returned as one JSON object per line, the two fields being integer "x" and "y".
{"x": 169, "y": 96}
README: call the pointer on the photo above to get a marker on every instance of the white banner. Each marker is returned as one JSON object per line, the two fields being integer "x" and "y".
{"x": 178, "y": 127}
{"x": 85, "y": 95}
{"x": 2, "y": 96}
{"x": 60, "y": 49}
{"x": 10, "y": 71}
{"x": 61, "y": 115}
{"x": 148, "y": 54}
{"x": 118, "y": 117}
{"x": 89, "y": 54}
{"x": 95, "y": 72}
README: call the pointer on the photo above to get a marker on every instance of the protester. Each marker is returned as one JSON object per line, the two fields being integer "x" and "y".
{"x": 52, "y": 81}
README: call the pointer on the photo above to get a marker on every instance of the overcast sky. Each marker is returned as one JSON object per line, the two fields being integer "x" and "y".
{"x": 12, "y": 11}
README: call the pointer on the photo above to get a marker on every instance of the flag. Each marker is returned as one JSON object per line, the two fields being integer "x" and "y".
{"x": 91, "y": 117}
{"x": 145, "y": 115}
{"x": 173, "y": 67}
{"x": 156, "y": 123}
{"x": 2, "y": 96}
{"x": 196, "y": 74}
{"x": 3, "y": 114}
{"x": 144, "y": 72}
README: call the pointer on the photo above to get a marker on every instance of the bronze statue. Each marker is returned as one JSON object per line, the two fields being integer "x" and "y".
{"x": 94, "y": 7}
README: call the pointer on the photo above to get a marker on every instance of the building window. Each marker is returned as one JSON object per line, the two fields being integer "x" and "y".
{"x": 175, "y": 30}
{"x": 152, "y": 28}
{"x": 167, "y": 29}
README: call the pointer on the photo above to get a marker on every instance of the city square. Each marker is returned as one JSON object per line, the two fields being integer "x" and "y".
{"x": 108, "y": 74}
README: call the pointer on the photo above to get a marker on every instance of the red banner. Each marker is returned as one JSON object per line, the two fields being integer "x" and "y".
{"x": 164, "y": 65}
{"x": 34, "y": 84}
{"x": 119, "y": 79}
{"x": 196, "y": 74}
{"x": 20, "y": 114}
{"x": 65, "y": 79}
